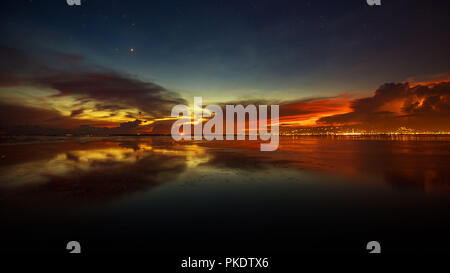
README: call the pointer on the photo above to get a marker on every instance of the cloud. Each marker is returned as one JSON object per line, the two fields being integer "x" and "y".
{"x": 302, "y": 112}
{"x": 423, "y": 104}
{"x": 307, "y": 111}
{"x": 110, "y": 107}
{"x": 26, "y": 120}
{"x": 130, "y": 124}
{"x": 118, "y": 90}
{"x": 77, "y": 112}
{"x": 72, "y": 75}
{"x": 14, "y": 116}
{"x": 399, "y": 104}
{"x": 429, "y": 79}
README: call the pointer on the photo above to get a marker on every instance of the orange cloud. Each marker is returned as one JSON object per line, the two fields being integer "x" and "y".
{"x": 306, "y": 113}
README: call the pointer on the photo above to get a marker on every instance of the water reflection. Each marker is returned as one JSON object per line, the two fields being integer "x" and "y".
{"x": 87, "y": 170}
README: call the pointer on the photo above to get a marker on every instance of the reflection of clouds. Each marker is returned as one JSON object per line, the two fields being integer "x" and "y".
{"x": 63, "y": 163}
{"x": 89, "y": 173}
{"x": 90, "y": 159}
{"x": 103, "y": 170}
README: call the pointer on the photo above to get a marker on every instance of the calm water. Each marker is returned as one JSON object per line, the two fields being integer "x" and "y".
{"x": 152, "y": 194}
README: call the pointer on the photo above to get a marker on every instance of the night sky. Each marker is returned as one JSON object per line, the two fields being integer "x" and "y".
{"x": 326, "y": 62}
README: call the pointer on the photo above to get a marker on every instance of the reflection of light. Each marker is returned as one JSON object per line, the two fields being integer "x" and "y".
{"x": 145, "y": 147}
{"x": 195, "y": 154}
{"x": 112, "y": 154}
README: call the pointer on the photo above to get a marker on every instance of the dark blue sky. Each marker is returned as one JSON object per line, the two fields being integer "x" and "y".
{"x": 226, "y": 50}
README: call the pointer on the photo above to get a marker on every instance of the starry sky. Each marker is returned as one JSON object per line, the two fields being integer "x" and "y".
{"x": 109, "y": 62}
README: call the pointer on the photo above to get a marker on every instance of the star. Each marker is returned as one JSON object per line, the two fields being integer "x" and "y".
{"x": 131, "y": 50}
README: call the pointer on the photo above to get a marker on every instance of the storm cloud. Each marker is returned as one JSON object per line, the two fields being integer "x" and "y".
{"x": 399, "y": 104}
